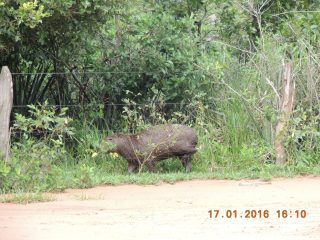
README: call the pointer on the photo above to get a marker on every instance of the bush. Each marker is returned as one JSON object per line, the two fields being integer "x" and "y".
{"x": 40, "y": 146}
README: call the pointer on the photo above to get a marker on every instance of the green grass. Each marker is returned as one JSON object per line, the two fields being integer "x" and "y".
{"x": 157, "y": 178}
{"x": 24, "y": 198}
{"x": 212, "y": 161}
{"x": 85, "y": 176}
{"x": 223, "y": 153}
{"x": 98, "y": 176}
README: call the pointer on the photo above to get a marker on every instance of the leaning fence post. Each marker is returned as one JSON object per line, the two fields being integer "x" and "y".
{"x": 286, "y": 108}
{"x": 6, "y": 99}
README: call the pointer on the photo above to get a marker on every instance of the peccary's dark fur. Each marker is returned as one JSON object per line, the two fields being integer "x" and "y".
{"x": 155, "y": 144}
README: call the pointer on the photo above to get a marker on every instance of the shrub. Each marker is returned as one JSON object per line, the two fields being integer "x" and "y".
{"x": 39, "y": 145}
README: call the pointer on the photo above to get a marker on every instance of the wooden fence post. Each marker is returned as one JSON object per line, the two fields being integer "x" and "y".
{"x": 286, "y": 108}
{"x": 6, "y": 99}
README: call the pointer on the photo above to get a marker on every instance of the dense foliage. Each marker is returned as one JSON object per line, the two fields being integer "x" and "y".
{"x": 123, "y": 65}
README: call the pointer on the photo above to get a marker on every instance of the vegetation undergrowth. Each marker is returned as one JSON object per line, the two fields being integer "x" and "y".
{"x": 216, "y": 66}
{"x": 24, "y": 198}
{"x": 50, "y": 156}
{"x": 53, "y": 153}
{"x": 86, "y": 176}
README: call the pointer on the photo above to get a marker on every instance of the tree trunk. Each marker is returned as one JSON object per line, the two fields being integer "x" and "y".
{"x": 286, "y": 108}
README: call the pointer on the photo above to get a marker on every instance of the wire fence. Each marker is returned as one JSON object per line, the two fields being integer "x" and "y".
{"x": 178, "y": 106}
{"x": 185, "y": 107}
{"x": 41, "y": 133}
{"x": 85, "y": 72}
{"x": 93, "y": 106}
{"x": 81, "y": 105}
{"x": 104, "y": 104}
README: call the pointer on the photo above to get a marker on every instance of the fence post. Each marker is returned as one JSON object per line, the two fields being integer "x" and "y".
{"x": 286, "y": 108}
{"x": 6, "y": 99}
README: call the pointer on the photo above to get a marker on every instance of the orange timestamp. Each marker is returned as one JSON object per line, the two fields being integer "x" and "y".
{"x": 257, "y": 214}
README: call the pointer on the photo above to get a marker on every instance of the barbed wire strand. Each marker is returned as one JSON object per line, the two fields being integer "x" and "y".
{"x": 79, "y": 72}
{"x": 104, "y": 104}
{"x": 41, "y": 132}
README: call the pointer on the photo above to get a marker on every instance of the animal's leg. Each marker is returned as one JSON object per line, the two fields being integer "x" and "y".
{"x": 132, "y": 167}
{"x": 186, "y": 162}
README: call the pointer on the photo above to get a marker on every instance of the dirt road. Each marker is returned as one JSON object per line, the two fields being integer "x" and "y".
{"x": 178, "y": 211}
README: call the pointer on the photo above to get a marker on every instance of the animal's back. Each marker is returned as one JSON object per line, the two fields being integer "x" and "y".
{"x": 169, "y": 131}
{"x": 167, "y": 139}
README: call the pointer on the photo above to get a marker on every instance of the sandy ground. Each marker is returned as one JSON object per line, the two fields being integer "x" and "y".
{"x": 178, "y": 211}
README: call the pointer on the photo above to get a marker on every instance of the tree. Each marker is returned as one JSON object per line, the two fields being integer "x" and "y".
{"x": 37, "y": 36}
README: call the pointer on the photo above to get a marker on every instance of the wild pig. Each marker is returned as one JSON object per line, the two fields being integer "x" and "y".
{"x": 154, "y": 144}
